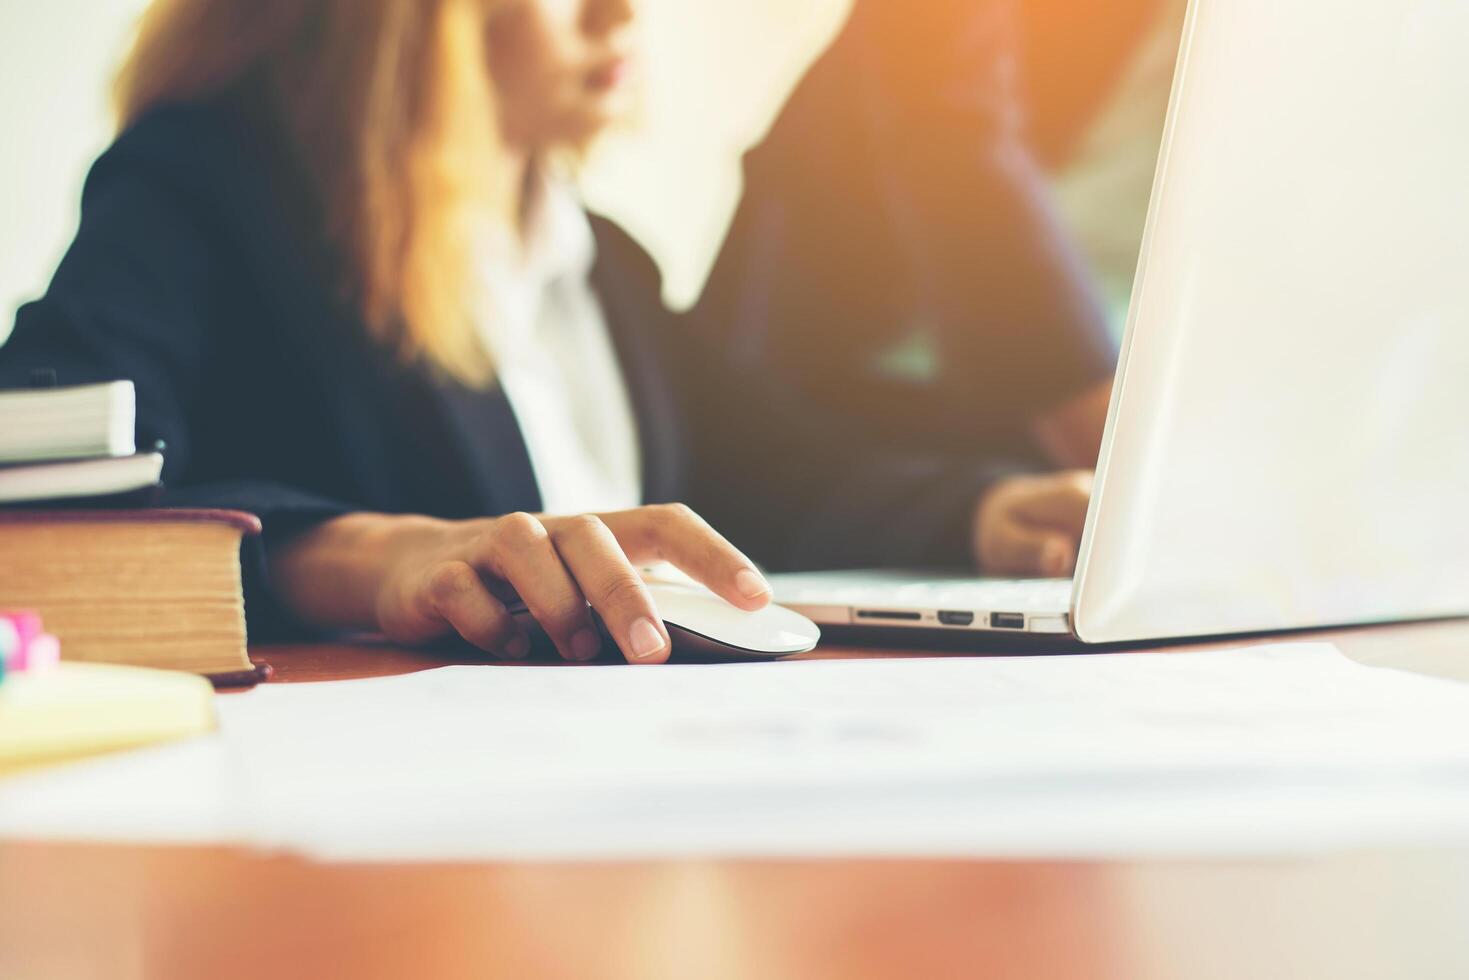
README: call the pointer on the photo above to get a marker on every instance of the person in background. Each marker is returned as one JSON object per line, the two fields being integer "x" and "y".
{"x": 949, "y": 310}
{"x": 333, "y": 248}
{"x": 897, "y": 255}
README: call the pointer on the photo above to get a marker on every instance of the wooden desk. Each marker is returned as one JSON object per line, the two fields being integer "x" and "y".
{"x": 72, "y": 911}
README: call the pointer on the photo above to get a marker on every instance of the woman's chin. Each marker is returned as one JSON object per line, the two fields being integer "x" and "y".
{"x": 597, "y": 118}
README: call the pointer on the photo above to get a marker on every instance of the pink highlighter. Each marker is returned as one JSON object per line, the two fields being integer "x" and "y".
{"x": 28, "y": 646}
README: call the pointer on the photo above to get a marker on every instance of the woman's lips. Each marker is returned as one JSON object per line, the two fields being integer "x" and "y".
{"x": 608, "y": 75}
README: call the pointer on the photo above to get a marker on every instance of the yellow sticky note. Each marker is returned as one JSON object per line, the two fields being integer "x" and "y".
{"x": 77, "y": 709}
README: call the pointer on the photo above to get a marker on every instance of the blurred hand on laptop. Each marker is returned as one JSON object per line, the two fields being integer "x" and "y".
{"x": 1030, "y": 526}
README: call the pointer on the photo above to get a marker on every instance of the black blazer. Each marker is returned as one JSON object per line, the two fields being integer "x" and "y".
{"x": 191, "y": 275}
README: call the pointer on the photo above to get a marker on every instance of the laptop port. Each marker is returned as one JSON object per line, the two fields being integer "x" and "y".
{"x": 898, "y": 617}
{"x": 1007, "y": 621}
{"x": 950, "y": 618}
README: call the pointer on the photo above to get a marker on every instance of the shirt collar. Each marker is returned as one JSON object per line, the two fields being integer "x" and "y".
{"x": 518, "y": 273}
{"x": 557, "y": 243}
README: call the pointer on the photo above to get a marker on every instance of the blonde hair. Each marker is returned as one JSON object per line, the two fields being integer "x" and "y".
{"x": 389, "y": 107}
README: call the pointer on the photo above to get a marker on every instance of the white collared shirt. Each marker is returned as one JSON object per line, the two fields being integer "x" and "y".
{"x": 543, "y": 324}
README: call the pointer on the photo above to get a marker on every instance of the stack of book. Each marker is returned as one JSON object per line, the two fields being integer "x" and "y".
{"x": 115, "y": 582}
{"x": 73, "y": 444}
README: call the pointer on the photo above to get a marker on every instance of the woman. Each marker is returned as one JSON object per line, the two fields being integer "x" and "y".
{"x": 330, "y": 250}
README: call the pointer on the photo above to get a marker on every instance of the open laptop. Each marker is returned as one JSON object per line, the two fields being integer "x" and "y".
{"x": 1288, "y": 440}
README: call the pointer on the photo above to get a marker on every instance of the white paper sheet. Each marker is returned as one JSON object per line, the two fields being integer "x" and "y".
{"x": 1268, "y": 749}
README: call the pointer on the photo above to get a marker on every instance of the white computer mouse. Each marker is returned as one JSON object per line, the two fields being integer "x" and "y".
{"x": 702, "y": 624}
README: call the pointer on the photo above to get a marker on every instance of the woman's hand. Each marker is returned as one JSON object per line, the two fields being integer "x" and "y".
{"x": 1030, "y": 526}
{"x": 443, "y": 577}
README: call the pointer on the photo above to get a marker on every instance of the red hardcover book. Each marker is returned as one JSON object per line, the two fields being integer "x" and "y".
{"x": 152, "y": 588}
